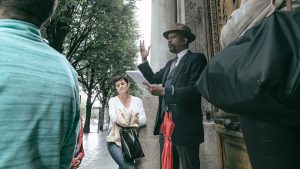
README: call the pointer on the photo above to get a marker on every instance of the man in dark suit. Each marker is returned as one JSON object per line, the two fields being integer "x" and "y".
{"x": 175, "y": 86}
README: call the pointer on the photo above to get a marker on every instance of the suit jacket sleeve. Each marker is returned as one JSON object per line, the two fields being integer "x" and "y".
{"x": 188, "y": 93}
{"x": 153, "y": 78}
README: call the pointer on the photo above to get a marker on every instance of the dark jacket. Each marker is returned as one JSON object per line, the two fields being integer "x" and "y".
{"x": 185, "y": 102}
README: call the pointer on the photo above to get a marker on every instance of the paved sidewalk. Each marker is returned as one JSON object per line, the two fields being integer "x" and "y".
{"x": 96, "y": 153}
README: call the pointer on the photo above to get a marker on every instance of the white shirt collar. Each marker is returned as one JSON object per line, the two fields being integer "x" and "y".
{"x": 180, "y": 55}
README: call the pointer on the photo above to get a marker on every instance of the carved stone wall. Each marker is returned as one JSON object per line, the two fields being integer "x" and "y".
{"x": 195, "y": 18}
{"x": 218, "y": 12}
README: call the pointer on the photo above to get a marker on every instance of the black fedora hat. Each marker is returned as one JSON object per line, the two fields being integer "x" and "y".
{"x": 183, "y": 29}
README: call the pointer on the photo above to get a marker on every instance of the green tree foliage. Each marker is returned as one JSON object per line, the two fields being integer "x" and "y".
{"x": 99, "y": 38}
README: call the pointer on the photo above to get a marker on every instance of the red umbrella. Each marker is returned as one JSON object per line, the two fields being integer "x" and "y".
{"x": 167, "y": 129}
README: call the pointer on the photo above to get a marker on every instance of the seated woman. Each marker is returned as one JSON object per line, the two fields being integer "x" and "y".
{"x": 125, "y": 110}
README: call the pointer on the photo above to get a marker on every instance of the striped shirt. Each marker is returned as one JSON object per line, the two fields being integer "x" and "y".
{"x": 39, "y": 102}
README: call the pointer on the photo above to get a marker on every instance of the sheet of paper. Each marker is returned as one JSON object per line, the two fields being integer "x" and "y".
{"x": 138, "y": 78}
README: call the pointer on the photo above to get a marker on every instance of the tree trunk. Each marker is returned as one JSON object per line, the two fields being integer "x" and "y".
{"x": 101, "y": 117}
{"x": 89, "y": 105}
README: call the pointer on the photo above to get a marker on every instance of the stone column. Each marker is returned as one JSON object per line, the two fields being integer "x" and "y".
{"x": 163, "y": 16}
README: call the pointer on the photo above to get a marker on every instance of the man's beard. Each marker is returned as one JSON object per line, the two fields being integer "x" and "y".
{"x": 172, "y": 48}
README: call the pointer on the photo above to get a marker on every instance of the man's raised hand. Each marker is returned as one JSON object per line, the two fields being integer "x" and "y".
{"x": 143, "y": 51}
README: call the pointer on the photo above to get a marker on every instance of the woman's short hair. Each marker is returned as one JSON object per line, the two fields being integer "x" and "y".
{"x": 120, "y": 77}
{"x": 42, "y": 10}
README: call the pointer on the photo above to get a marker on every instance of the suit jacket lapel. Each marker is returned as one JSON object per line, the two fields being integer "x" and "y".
{"x": 179, "y": 67}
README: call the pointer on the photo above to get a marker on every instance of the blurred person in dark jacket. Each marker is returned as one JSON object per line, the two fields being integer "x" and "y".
{"x": 270, "y": 145}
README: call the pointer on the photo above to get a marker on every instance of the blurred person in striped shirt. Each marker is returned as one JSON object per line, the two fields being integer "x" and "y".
{"x": 39, "y": 97}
